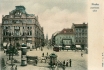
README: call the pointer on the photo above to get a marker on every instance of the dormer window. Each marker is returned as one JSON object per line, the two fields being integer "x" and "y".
{"x": 17, "y": 13}
{"x": 64, "y": 31}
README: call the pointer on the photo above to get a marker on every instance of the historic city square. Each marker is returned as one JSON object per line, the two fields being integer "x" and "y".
{"x": 78, "y": 62}
{"x": 55, "y": 39}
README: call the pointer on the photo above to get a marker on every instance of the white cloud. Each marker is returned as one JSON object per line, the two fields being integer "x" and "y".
{"x": 56, "y": 19}
{"x": 54, "y": 15}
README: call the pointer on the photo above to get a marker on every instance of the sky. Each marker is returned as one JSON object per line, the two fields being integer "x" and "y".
{"x": 53, "y": 15}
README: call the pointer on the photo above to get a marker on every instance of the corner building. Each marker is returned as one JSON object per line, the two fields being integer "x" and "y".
{"x": 81, "y": 34}
{"x": 65, "y": 37}
{"x": 20, "y": 27}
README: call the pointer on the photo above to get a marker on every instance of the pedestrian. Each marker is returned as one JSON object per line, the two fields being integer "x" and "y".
{"x": 67, "y": 49}
{"x": 36, "y": 61}
{"x": 47, "y": 53}
{"x": 64, "y": 63}
{"x": 4, "y": 50}
{"x": 67, "y": 63}
{"x": 12, "y": 68}
{"x": 70, "y": 62}
{"x": 82, "y": 54}
{"x": 43, "y": 55}
{"x": 63, "y": 67}
{"x": 16, "y": 67}
{"x": 7, "y": 61}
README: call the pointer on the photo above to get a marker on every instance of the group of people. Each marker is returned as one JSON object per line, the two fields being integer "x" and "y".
{"x": 43, "y": 54}
{"x": 12, "y": 68}
{"x": 67, "y": 63}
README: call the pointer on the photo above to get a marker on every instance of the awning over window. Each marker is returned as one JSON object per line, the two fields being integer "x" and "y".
{"x": 60, "y": 46}
{"x": 67, "y": 46}
{"x": 78, "y": 46}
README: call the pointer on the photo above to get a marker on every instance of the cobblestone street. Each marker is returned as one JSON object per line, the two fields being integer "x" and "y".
{"x": 78, "y": 62}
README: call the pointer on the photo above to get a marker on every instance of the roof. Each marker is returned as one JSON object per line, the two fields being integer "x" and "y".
{"x": 19, "y": 8}
{"x": 80, "y": 25}
{"x": 30, "y": 15}
{"x": 56, "y": 33}
{"x": 66, "y": 31}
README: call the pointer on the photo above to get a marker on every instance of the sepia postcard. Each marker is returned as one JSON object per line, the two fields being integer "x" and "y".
{"x": 51, "y": 35}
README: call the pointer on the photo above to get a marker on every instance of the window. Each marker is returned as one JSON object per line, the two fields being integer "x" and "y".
{"x": 64, "y": 31}
{"x": 29, "y": 27}
{"x": 4, "y": 27}
{"x": 82, "y": 40}
{"x": 16, "y": 27}
{"x": 76, "y": 35}
{"x": 79, "y": 40}
{"x": 76, "y": 41}
{"x": 23, "y": 27}
{"x": 16, "y": 32}
{"x": 10, "y": 21}
{"x": 29, "y": 21}
{"x": 23, "y": 33}
{"x": 76, "y": 30}
{"x": 82, "y": 30}
{"x": 30, "y": 32}
{"x": 4, "y": 33}
{"x": 5, "y": 22}
{"x": 17, "y": 21}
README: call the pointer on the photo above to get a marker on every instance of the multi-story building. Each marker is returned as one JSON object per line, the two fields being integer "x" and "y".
{"x": 53, "y": 37}
{"x": 0, "y": 37}
{"x": 46, "y": 39}
{"x": 81, "y": 34}
{"x": 20, "y": 27}
{"x": 64, "y": 37}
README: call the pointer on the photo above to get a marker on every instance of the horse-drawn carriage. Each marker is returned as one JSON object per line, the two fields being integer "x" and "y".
{"x": 34, "y": 59}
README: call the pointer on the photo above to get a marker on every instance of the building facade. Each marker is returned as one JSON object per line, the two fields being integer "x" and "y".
{"x": 81, "y": 34}
{"x": 64, "y": 37}
{"x": 0, "y": 37}
{"x": 53, "y": 38}
{"x": 20, "y": 27}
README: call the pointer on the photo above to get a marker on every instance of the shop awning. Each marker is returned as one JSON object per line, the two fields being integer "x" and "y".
{"x": 60, "y": 46}
{"x": 78, "y": 46}
{"x": 67, "y": 46}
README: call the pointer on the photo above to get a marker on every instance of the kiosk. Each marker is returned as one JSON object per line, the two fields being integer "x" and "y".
{"x": 23, "y": 55}
{"x": 53, "y": 59}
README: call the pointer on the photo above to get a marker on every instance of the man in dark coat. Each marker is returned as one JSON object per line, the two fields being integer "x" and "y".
{"x": 70, "y": 62}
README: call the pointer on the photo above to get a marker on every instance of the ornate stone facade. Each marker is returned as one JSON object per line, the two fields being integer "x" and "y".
{"x": 20, "y": 27}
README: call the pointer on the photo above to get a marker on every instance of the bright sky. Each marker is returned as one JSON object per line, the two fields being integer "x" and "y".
{"x": 54, "y": 15}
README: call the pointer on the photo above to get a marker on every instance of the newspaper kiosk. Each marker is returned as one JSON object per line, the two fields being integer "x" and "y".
{"x": 23, "y": 55}
{"x": 53, "y": 59}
